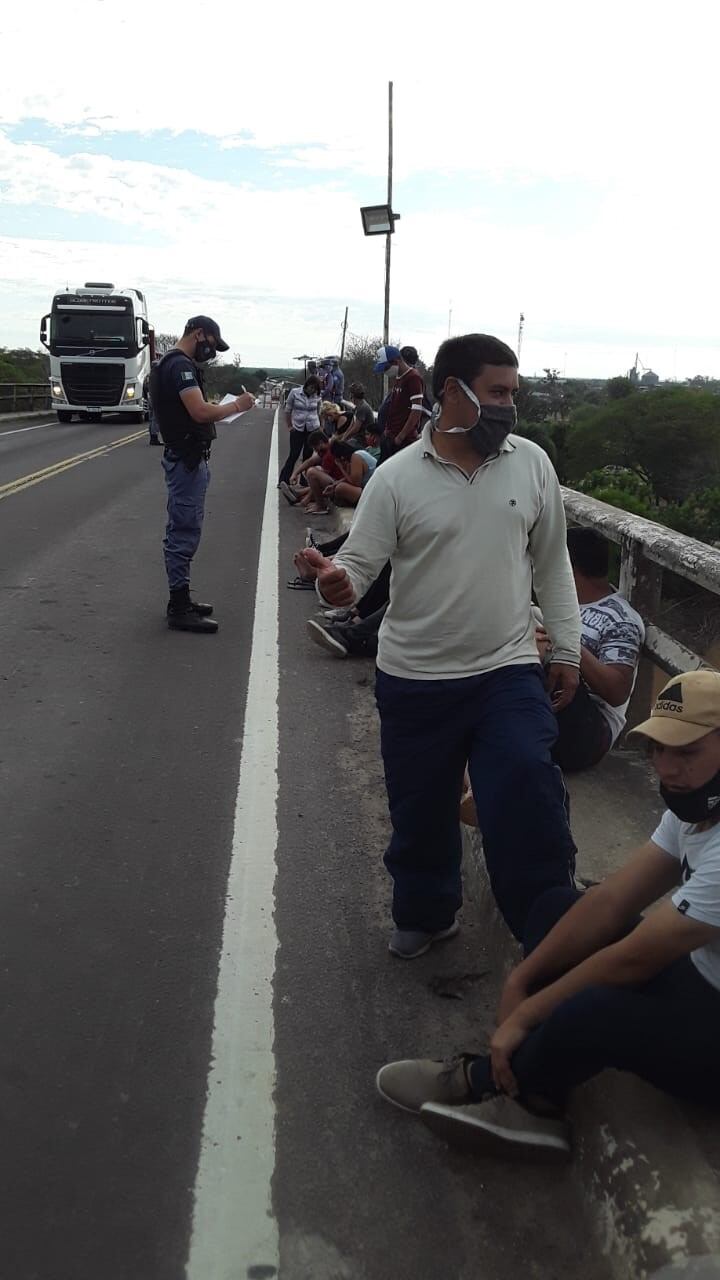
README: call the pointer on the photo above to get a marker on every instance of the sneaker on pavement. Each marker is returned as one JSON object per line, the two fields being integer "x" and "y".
{"x": 287, "y": 492}
{"x": 413, "y": 1082}
{"x": 499, "y": 1127}
{"x": 409, "y": 943}
{"x": 328, "y": 638}
{"x": 337, "y": 615}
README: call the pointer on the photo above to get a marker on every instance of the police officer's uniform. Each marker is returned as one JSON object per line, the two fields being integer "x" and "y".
{"x": 187, "y": 475}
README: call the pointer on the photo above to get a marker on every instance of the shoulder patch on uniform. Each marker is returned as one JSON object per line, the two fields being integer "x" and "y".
{"x": 188, "y": 375}
{"x": 683, "y": 907}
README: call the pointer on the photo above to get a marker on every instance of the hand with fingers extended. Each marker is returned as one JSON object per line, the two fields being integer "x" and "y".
{"x": 333, "y": 582}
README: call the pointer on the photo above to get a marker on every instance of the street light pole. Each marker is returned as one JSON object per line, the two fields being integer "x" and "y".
{"x": 388, "y": 238}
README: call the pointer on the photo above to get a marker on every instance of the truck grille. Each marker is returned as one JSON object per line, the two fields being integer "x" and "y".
{"x": 93, "y": 383}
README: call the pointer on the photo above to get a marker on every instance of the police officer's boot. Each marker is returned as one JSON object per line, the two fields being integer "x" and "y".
{"x": 183, "y": 615}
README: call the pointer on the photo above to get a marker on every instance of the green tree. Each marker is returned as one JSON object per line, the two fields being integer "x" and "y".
{"x": 670, "y": 438}
{"x": 539, "y": 433}
{"x": 619, "y": 388}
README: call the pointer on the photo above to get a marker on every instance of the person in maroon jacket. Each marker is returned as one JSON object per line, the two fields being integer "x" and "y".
{"x": 405, "y": 411}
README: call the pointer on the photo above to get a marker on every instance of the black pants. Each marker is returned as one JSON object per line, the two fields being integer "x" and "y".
{"x": 503, "y": 725}
{"x": 298, "y": 444}
{"x": 667, "y": 1030}
{"x": 362, "y": 637}
{"x": 584, "y": 735}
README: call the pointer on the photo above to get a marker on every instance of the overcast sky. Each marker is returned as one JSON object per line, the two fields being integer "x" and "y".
{"x": 558, "y": 159}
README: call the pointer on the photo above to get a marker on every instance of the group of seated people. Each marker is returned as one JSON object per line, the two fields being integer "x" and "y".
{"x": 333, "y": 449}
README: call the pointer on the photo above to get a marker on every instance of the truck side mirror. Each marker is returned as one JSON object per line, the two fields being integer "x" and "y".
{"x": 43, "y": 332}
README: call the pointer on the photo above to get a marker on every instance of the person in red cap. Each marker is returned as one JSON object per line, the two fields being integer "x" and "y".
{"x": 600, "y": 987}
{"x": 187, "y": 425}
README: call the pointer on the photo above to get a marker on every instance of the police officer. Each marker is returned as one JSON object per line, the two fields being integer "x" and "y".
{"x": 187, "y": 425}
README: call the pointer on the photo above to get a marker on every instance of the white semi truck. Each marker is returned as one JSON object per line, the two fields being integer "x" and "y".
{"x": 101, "y": 349}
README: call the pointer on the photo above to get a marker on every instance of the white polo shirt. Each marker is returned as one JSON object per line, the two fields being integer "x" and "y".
{"x": 465, "y": 553}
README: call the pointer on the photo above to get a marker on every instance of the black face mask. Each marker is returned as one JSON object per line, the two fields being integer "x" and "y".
{"x": 697, "y": 805}
{"x": 493, "y": 426}
{"x": 203, "y": 351}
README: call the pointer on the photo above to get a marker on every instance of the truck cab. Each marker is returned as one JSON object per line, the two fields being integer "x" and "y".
{"x": 101, "y": 350}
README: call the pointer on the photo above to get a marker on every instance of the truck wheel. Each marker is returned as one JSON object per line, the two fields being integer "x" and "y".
{"x": 64, "y": 416}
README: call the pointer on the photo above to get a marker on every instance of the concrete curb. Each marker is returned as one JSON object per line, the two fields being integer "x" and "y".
{"x": 654, "y": 1196}
{"x": 30, "y": 413}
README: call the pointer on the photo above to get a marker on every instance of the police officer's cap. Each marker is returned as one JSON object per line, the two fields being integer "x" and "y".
{"x": 210, "y": 328}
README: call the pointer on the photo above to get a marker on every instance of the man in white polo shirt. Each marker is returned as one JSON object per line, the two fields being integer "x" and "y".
{"x": 471, "y": 518}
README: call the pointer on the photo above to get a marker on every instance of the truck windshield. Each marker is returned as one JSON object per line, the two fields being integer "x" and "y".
{"x": 106, "y": 330}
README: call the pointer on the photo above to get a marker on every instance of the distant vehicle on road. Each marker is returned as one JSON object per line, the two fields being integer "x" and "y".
{"x": 101, "y": 349}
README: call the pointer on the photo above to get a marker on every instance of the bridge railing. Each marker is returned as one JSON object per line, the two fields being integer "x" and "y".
{"x": 23, "y": 397}
{"x": 647, "y": 551}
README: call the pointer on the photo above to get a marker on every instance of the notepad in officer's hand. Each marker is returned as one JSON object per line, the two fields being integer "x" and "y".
{"x": 232, "y": 417}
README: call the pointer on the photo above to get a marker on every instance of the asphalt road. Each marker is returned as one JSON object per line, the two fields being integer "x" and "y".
{"x": 120, "y": 746}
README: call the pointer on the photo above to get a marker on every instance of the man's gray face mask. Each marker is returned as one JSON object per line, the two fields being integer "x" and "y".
{"x": 491, "y": 427}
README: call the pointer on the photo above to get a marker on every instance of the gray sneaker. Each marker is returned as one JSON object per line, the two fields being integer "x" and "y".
{"x": 410, "y": 943}
{"x": 499, "y": 1127}
{"x": 415, "y": 1081}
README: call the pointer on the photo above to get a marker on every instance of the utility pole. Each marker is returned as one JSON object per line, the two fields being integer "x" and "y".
{"x": 521, "y": 326}
{"x": 344, "y": 328}
{"x": 388, "y": 238}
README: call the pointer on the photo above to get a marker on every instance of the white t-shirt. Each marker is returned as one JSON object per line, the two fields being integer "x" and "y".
{"x": 614, "y": 633}
{"x": 698, "y": 853}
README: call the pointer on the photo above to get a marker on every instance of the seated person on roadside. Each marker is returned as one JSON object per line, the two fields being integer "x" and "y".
{"x": 363, "y": 419}
{"x": 321, "y": 470}
{"x": 357, "y": 466}
{"x": 612, "y": 639}
{"x": 333, "y": 419}
{"x": 600, "y": 987}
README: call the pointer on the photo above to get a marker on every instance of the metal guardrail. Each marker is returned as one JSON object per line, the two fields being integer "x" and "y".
{"x": 23, "y": 397}
{"x": 648, "y": 549}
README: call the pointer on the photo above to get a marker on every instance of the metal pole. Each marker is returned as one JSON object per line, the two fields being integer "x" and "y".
{"x": 388, "y": 238}
{"x": 342, "y": 348}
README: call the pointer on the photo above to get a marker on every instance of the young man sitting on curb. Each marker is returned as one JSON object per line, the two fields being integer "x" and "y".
{"x": 600, "y": 988}
{"x": 612, "y": 639}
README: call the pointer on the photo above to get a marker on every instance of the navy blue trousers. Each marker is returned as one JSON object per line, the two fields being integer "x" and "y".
{"x": 667, "y": 1031}
{"x": 503, "y": 726}
{"x": 186, "y": 491}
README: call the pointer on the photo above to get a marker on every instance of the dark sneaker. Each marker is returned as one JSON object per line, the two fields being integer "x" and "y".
{"x": 204, "y": 610}
{"x": 415, "y": 1081}
{"x": 409, "y": 943}
{"x": 329, "y": 638}
{"x": 287, "y": 492}
{"x": 156, "y": 441}
{"x": 499, "y": 1127}
{"x": 189, "y": 620}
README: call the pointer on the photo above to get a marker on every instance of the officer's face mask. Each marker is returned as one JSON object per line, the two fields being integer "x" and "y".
{"x": 204, "y": 351}
{"x": 491, "y": 427}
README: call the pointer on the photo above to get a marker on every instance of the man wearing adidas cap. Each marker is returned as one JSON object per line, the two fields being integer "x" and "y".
{"x": 600, "y": 988}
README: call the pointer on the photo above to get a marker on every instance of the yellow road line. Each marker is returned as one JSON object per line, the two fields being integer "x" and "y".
{"x": 26, "y": 482}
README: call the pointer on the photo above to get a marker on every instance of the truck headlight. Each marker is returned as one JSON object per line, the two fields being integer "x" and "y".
{"x": 58, "y": 391}
{"x": 129, "y": 393}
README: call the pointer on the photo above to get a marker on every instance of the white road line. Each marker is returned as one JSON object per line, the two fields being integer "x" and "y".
{"x": 233, "y": 1225}
{"x": 16, "y": 431}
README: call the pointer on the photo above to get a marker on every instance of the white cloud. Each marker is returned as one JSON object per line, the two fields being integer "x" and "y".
{"x": 617, "y": 101}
